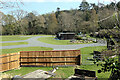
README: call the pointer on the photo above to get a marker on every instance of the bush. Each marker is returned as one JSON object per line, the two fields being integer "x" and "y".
{"x": 78, "y": 38}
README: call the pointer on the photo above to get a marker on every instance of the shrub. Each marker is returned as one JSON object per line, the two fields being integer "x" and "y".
{"x": 78, "y": 38}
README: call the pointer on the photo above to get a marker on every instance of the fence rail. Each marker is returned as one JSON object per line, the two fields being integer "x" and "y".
{"x": 9, "y": 61}
{"x": 50, "y": 58}
{"x": 39, "y": 58}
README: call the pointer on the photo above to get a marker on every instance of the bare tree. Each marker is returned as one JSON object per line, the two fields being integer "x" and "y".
{"x": 19, "y": 15}
{"x": 10, "y": 4}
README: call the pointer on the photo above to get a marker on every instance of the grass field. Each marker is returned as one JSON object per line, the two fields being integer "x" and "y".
{"x": 64, "y": 72}
{"x": 14, "y": 38}
{"x": 18, "y": 37}
{"x": 52, "y": 40}
{"x": 87, "y": 53}
{"x": 6, "y": 51}
{"x": 15, "y": 43}
{"x": 88, "y": 65}
{"x": 94, "y": 67}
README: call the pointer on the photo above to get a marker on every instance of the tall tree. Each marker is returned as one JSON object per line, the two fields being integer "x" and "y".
{"x": 52, "y": 24}
{"x": 32, "y": 23}
{"x": 84, "y": 5}
{"x": 19, "y": 15}
{"x": 8, "y": 24}
{"x": 94, "y": 19}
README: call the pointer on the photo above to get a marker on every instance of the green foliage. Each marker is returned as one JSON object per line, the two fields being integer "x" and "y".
{"x": 84, "y": 20}
{"x": 110, "y": 65}
{"x": 84, "y": 6}
{"x": 118, "y": 5}
{"x": 78, "y": 37}
{"x": 101, "y": 75}
{"x": 87, "y": 52}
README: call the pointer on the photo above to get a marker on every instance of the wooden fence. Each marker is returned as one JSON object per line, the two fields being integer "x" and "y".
{"x": 9, "y": 61}
{"x": 39, "y": 58}
{"x": 50, "y": 58}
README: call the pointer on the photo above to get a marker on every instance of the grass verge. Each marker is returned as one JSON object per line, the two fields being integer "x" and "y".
{"x": 87, "y": 53}
{"x": 52, "y": 40}
{"x": 14, "y": 38}
{"x": 15, "y": 43}
{"x": 6, "y": 51}
{"x": 62, "y": 72}
{"x": 18, "y": 37}
{"x": 94, "y": 67}
{"x": 87, "y": 64}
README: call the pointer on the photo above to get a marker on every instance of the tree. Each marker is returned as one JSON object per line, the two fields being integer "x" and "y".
{"x": 66, "y": 22}
{"x": 19, "y": 15}
{"x": 40, "y": 24}
{"x": 52, "y": 24}
{"x": 32, "y": 23}
{"x": 94, "y": 19}
{"x": 84, "y": 6}
{"x": 118, "y": 5}
{"x": 8, "y": 24}
{"x": 10, "y": 4}
{"x": 113, "y": 64}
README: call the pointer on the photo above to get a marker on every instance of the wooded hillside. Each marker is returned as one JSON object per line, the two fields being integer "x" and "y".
{"x": 89, "y": 18}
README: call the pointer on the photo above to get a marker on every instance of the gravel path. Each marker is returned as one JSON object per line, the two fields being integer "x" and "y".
{"x": 32, "y": 42}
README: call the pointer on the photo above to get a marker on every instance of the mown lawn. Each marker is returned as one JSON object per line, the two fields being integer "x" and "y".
{"x": 24, "y": 70}
{"x": 14, "y": 38}
{"x": 52, "y": 40}
{"x": 18, "y": 37}
{"x": 87, "y": 53}
{"x": 65, "y": 72}
{"x": 62, "y": 72}
{"x": 6, "y": 51}
{"x": 15, "y": 43}
{"x": 103, "y": 76}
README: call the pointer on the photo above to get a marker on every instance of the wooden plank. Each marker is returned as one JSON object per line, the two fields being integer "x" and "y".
{"x": 9, "y": 61}
{"x": 50, "y": 58}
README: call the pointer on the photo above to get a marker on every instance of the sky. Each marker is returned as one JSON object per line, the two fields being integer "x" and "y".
{"x": 48, "y": 6}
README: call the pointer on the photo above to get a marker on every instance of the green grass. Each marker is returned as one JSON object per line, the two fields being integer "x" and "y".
{"x": 88, "y": 65}
{"x": 51, "y": 40}
{"x": 6, "y": 51}
{"x": 14, "y": 38}
{"x": 24, "y": 70}
{"x": 95, "y": 68}
{"x": 65, "y": 72}
{"x": 88, "y": 50}
{"x": 18, "y": 37}
{"x": 87, "y": 53}
{"x": 62, "y": 72}
{"x": 15, "y": 43}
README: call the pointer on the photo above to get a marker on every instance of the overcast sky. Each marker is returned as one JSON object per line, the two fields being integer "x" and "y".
{"x": 47, "y": 6}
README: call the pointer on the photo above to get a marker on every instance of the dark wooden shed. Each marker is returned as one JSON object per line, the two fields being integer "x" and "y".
{"x": 66, "y": 35}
